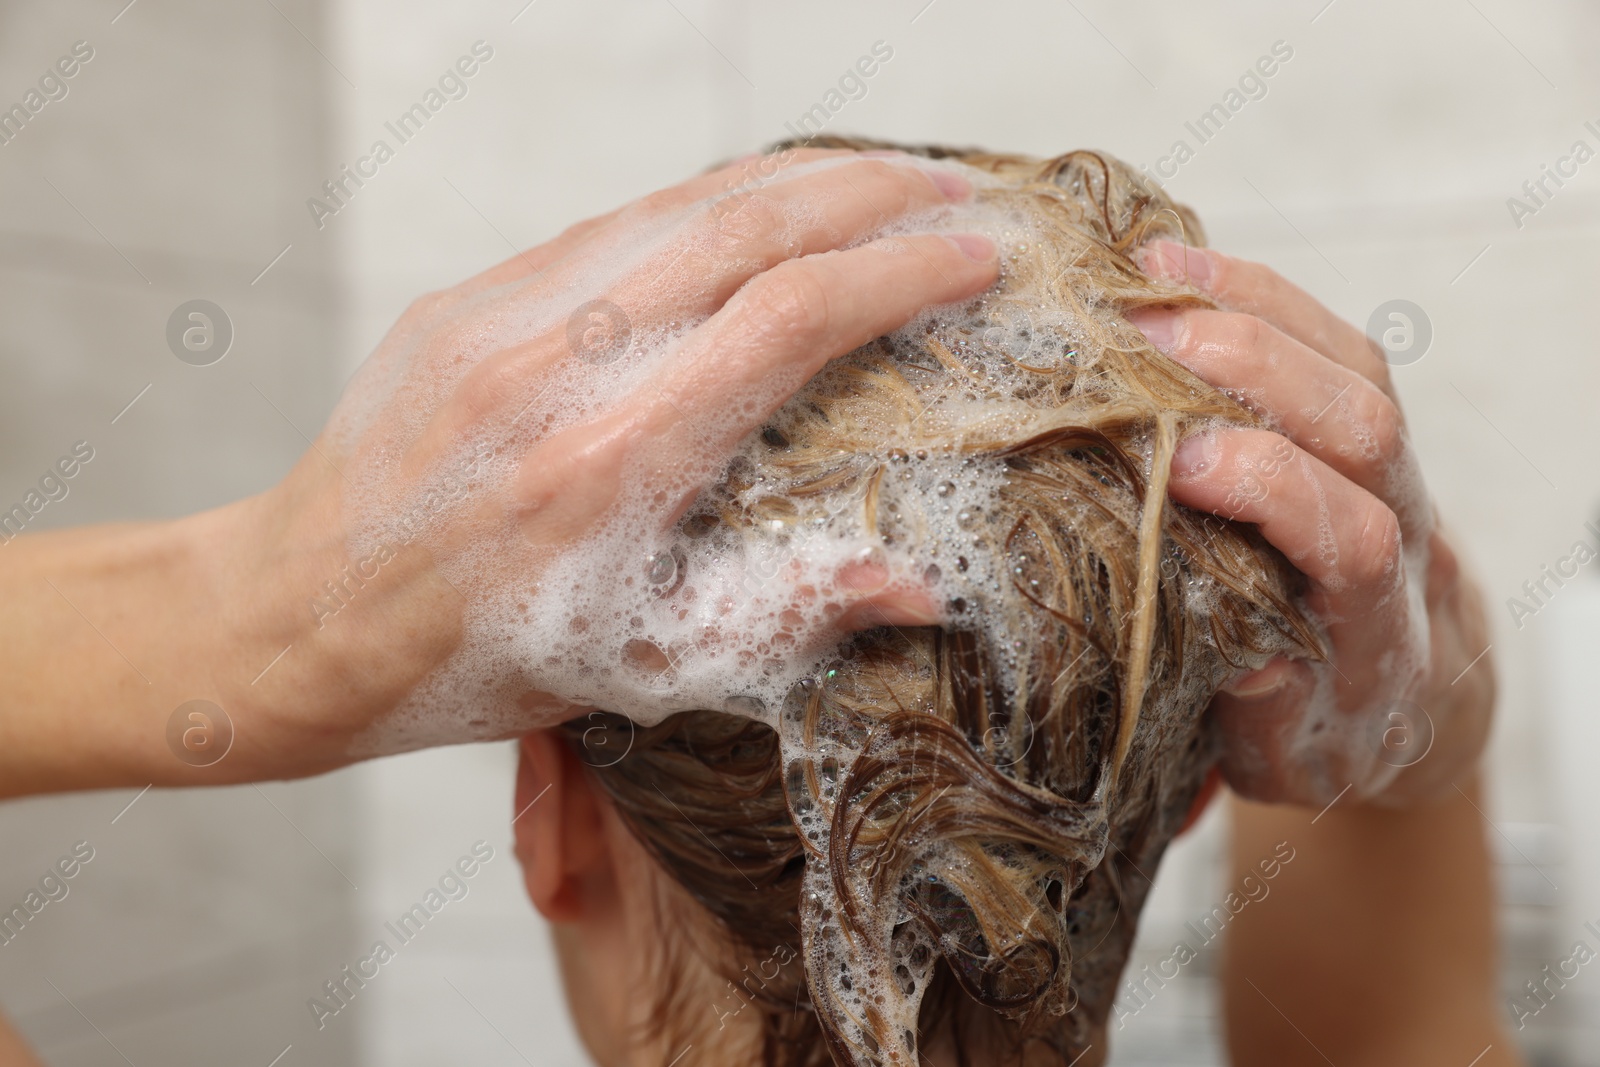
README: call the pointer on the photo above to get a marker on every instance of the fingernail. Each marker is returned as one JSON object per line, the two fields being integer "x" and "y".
{"x": 1195, "y": 455}
{"x": 1161, "y": 327}
{"x": 952, "y": 185}
{"x": 1269, "y": 679}
{"x": 974, "y": 246}
{"x": 864, "y": 577}
{"x": 1176, "y": 262}
{"x": 1246, "y": 689}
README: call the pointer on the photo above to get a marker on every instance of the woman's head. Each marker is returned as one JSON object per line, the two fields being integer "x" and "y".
{"x": 946, "y": 840}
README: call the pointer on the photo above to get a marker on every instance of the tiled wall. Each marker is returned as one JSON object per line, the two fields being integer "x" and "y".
{"x": 1376, "y": 165}
{"x": 169, "y": 172}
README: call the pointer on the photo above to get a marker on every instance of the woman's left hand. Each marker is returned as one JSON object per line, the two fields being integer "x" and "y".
{"x": 1402, "y": 705}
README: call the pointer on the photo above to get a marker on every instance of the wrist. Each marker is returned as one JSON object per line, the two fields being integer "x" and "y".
{"x": 1447, "y": 741}
{"x": 315, "y": 645}
{"x": 269, "y": 667}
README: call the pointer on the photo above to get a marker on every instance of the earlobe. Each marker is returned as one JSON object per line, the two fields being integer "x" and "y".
{"x": 558, "y": 829}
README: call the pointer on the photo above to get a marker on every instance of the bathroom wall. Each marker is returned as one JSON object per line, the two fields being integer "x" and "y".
{"x": 170, "y": 171}
{"x": 1375, "y": 164}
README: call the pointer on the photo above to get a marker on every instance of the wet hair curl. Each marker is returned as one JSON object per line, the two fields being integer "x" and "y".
{"x": 960, "y": 829}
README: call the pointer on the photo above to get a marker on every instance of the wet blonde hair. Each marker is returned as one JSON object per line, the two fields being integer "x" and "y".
{"x": 953, "y": 825}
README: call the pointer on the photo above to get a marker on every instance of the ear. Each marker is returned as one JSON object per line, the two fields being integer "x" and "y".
{"x": 559, "y": 830}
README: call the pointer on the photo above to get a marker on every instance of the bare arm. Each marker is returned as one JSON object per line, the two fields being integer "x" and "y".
{"x": 108, "y": 633}
{"x": 13, "y": 1053}
{"x": 1377, "y": 944}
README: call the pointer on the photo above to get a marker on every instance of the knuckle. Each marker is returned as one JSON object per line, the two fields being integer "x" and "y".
{"x": 1237, "y": 332}
{"x": 492, "y": 385}
{"x": 1224, "y": 272}
{"x": 895, "y": 188}
{"x": 739, "y": 221}
{"x": 1381, "y": 434}
{"x": 660, "y": 202}
{"x": 428, "y": 307}
{"x": 578, "y": 230}
{"x": 790, "y": 301}
{"x": 1232, "y": 277}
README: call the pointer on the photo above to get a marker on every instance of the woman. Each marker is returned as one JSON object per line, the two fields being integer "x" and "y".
{"x": 220, "y": 606}
{"x": 940, "y": 853}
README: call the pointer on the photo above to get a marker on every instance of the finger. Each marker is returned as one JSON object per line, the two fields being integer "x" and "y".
{"x": 739, "y": 367}
{"x": 788, "y": 322}
{"x": 873, "y": 596}
{"x": 864, "y": 595}
{"x": 730, "y": 239}
{"x": 749, "y": 170}
{"x": 1344, "y": 539}
{"x": 1240, "y": 285}
{"x": 1270, "y": 752}
{"x": 1329, "y": 410}
{"x": 716, "y": 264}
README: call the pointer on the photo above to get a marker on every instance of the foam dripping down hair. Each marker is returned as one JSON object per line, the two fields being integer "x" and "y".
{"x": 961, "y": 820}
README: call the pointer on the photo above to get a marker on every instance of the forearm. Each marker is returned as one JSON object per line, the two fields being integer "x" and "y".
{"x": 107, "y": 630}
{"x": 13, "y": 1053}
{"x": 92, "y": 619}
{"x": 1377, "y": 944}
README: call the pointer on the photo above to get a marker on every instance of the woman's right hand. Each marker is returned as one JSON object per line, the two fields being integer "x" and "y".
{"x": 782, "y": 279}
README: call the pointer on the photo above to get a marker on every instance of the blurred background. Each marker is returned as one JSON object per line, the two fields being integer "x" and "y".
{"x": 1377, "y": 163}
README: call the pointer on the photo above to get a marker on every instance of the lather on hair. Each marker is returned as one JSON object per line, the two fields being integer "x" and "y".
{"x": 960, "y": 821}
